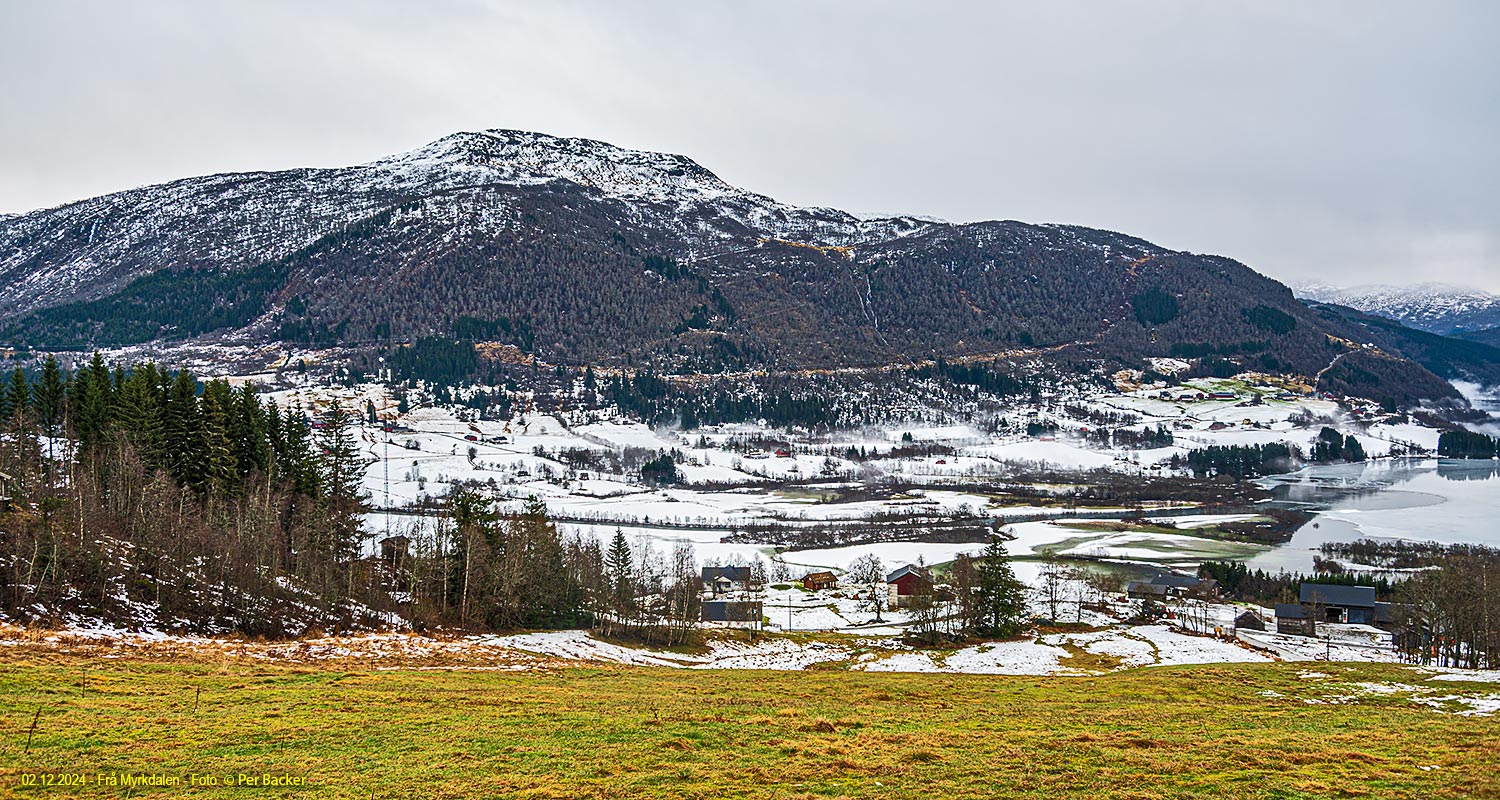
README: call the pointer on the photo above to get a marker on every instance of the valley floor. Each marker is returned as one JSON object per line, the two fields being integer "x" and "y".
{"x": 346, "y": 730}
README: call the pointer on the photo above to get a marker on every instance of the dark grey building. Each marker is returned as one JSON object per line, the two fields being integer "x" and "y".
{"x": 1294, "y": 619}
{"x": 1351, "y": 604}
{"x": 733, "y": 613}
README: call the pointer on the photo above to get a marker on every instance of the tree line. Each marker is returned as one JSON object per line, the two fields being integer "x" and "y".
{"x": 1240, "y": 461}
{"x": 1467, "y": 444}
{"x": 129, "y": 489}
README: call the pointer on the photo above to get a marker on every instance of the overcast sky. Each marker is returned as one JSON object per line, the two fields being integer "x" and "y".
{"x": 1343, "y": 142}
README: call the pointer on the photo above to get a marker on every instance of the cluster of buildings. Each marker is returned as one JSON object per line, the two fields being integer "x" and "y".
{"x": 732, "y": 595}
{"x": 1316, "y": 603}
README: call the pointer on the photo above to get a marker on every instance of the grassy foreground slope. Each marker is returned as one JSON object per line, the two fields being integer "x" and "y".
{"x": 1210, "y": 731}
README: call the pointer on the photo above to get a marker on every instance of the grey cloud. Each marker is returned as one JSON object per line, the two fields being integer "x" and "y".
{"x": 1347, "y": 142}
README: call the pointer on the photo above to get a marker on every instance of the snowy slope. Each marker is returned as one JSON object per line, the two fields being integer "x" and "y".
{"x": 86, "y": 249}
{"x": 1433, "y": 307}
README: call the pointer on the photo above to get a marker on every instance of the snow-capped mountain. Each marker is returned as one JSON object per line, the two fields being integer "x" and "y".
{"x": 584, "y": 252}
{"x": 93, "y": 246}
{"x": 1433, "y": 307}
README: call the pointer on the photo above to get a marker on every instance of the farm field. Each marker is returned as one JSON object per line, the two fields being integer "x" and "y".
{"x": 1223, "y": 730}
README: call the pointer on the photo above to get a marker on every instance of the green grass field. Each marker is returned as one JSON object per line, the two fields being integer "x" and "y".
{"x": 1205, "y": 731}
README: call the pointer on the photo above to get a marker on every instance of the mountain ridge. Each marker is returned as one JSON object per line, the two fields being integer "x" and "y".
{"x": 583, "y": 252}
{"x": 1441, "y": 308}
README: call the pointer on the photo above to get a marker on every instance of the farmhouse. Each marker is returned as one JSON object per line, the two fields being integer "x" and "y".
{"x": 723, "y": 580}
{"x": 908, "y": 582}
{"x": 1169, "y": 585}
{"x": 817, "y": 581}
{"x": 1145, "y": 590}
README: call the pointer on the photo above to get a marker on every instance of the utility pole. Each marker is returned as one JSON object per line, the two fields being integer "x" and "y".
{"x": 386, "y": 463}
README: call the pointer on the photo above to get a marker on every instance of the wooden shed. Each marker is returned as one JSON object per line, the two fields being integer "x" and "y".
{"x": 1250, "y": 621}
{"x": 1293, "y": 618}
{"x": 817, "y": 581}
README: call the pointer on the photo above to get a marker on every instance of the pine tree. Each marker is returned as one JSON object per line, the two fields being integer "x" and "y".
{"x": 1000, "y": 598}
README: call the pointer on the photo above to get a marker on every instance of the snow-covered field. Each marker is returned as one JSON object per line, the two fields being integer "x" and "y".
{"x": 1070, "y": 653}
{"x": 436, "y": 449}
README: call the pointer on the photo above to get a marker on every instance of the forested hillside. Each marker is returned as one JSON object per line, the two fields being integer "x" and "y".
{"x": 583, "y": 253}
{"x": 144, "y": 499}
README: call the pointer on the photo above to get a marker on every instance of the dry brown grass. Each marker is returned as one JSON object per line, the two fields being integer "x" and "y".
{"x": 652, "y": 733}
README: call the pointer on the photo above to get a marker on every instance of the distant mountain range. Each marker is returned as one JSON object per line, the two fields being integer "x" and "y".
{"x": 584, "y": 252}
{"x": 1433, "y": 307}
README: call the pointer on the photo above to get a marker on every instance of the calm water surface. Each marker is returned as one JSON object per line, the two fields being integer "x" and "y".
{"x": 1444, "y": 500}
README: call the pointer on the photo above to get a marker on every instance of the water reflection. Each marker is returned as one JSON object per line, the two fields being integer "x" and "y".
{"x": 1447, "y": 501}
{"x": 1459, "y": 470}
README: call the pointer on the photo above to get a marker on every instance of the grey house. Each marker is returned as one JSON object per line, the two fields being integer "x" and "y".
{"x": 1168, "y": 585}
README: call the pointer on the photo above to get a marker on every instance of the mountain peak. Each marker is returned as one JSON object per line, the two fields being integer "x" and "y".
{"x": 524, "y": 157}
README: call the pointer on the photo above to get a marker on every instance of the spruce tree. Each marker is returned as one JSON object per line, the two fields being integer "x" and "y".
{"x": 248, "y": 433}
{"x": 545, "y": 595}
{"x": 49, "y": 400}
{"x": 17, "y": 394}
{"x": 1000, "y": 597}
{"x": 343, "y": 481}
{"x": 91, "y": 402}
{"x": 220, "y": 473}
{"x": 138, "y": 414}
{"x": 619, "y": 566}
{"x": 182, "y": 432}
{"x": 295, "y": 460}
{"x": 50, "y": 397}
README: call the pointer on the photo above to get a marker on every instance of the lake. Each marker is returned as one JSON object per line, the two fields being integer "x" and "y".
{"x": 1440, "y": 500}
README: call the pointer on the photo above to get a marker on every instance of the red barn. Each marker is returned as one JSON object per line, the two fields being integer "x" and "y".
{"x": 907, "y": 582}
